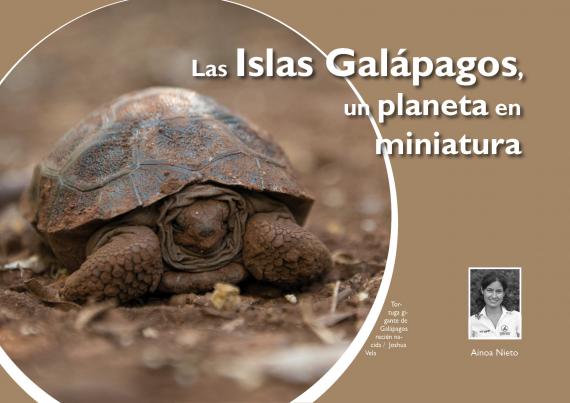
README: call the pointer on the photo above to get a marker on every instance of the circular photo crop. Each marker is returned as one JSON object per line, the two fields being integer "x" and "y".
{"x": 171, "y": 231}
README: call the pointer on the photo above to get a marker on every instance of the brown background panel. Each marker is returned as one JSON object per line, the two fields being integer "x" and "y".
{"x": 11, "y": 391}
{"x": 454, "y": 213}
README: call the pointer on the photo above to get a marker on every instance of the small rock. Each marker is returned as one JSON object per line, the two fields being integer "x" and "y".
{"x": 150, "y": 333}
{"x": 362, "y": 296}
{"x": 225, "y": 296}
{"x": 28, "y": 329}
{"x": 291, "y": 298}
{"x": 32, "y": 263}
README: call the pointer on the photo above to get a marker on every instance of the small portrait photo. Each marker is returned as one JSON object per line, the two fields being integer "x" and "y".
{"x": 495, "y": 303}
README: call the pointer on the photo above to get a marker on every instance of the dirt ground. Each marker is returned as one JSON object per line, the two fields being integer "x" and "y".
{"x": 271, "y": 344}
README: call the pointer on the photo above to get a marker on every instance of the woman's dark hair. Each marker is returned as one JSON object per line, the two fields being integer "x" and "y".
{"x": 489, "y": 278}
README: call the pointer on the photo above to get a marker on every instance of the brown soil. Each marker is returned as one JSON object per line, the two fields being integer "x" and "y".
{"x": 182, "y": 348}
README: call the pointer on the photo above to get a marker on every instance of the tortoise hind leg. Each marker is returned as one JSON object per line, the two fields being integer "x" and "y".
{"x": 279, "y": 251}
{"x": 127, "y": 266}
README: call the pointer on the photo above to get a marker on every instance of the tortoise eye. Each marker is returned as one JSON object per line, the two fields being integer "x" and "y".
{"x": 176, "y": 226}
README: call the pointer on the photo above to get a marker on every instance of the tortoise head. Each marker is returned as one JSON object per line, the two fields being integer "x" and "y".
{"x": 201, "y": 226}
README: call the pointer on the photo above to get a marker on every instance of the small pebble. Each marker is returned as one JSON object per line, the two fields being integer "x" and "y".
{"x": 225, "y": 296}
{"x": 29, "y": 330}
{"x": 362, "y": 296}
{"x": 33, "y": 263}
{"x": 291, "y": 298}
{"x": 150, "y": 333}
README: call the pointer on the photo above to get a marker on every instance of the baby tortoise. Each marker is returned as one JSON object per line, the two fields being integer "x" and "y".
{"x": 164, "y": 189}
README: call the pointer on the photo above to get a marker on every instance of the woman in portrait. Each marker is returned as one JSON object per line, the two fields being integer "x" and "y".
{"x": 493, "y": 319}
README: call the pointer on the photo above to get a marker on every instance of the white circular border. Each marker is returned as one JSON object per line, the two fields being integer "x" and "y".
{"x": 326, "y": 381}
{"x": 332, "y": 375}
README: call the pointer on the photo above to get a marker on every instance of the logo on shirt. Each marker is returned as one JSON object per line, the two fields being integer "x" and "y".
{"x": 505, "y": 331}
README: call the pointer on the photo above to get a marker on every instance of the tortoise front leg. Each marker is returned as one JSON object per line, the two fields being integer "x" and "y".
{"x": 127, "y": 266}
{"x": 279, "y": 251}
{"x": 179, "y": 282}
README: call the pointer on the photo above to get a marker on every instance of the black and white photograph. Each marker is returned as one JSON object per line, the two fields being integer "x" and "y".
{"x": 495, "y": 303}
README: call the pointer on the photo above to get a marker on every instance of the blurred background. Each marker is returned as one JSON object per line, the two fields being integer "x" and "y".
{"x": 178, "y": 350}
{"x": 138, "y": 44}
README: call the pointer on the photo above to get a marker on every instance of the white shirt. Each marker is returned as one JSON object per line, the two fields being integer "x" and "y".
{"x": 508, "y": 326}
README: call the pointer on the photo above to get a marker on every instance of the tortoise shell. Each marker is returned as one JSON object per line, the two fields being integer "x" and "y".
{"x": 145, "y": 146}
